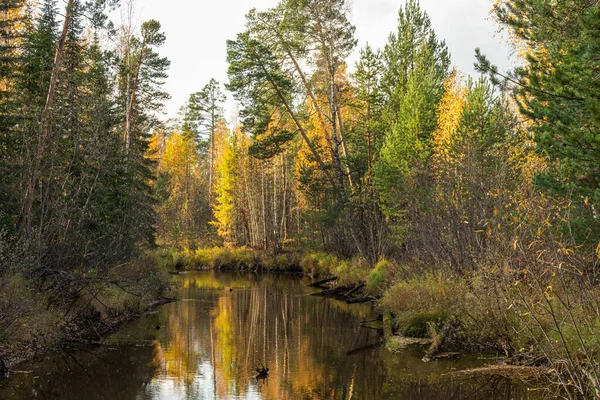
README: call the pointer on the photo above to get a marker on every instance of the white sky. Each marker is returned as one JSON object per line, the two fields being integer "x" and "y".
{"x": 197, "y": 30}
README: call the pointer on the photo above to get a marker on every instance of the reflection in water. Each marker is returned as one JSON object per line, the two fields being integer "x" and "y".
{"x": 226, "y": 325}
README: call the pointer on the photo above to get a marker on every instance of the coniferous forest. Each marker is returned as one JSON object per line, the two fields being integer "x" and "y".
{"x": 465, "y": 207}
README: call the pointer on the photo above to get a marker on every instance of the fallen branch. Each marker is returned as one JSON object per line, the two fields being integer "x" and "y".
{"x": 322, "y": 282}
{"x": 356, "y": 289}
{"x": 161, "y": 301}
{"x": 334, "y": 291}
{"x": 363, "y": 299}
{"x": 438, "y": 341}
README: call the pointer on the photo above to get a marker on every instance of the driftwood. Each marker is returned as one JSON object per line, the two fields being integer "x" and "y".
{"x": 363, "y": 299}
{"x": 322, "y": 282}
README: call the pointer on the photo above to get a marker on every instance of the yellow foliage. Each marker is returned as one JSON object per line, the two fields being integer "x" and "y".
{"x": 450, "y": 111}
{"x": 225, "y": 185}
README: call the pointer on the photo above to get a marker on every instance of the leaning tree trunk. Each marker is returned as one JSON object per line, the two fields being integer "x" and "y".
{"x": 25, "y": 218}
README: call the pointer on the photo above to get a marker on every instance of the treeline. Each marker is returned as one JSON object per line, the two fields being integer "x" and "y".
{"x": 79, "y": 99}
{"x": 483, "y": 191}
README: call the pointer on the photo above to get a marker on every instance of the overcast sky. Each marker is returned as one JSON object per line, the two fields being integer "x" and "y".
{"x": 197, "y": 30}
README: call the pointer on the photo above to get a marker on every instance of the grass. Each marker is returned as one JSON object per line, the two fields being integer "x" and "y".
{"x": 223, "y": 258}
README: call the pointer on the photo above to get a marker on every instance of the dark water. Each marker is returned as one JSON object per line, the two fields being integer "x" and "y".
{"x": 209, "y": 344}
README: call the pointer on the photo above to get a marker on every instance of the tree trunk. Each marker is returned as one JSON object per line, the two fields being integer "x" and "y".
{"x": 25, "y": 218}
{"x": 132, "y": 96}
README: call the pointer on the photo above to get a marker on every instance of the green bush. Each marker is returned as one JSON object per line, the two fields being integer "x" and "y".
{"x": 352, "y": 271}
{"x": 379, "y": 277}
{"x": 319, "y": 263}
{"x": 424, "y": 301}
{"x": 418, "y": 325}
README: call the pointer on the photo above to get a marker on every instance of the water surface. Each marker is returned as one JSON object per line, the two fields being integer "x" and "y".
{"x": 208, "y": 345}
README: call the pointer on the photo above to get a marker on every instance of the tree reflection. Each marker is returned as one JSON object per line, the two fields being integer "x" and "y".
{"x": 314, "y": 347}
{"x": 210, "y": 343}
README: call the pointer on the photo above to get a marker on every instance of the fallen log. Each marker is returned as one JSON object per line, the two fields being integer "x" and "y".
{"x": 161, "y": 301}
{"x": 322, "y": 282}
{"x": 334, "y": 291}
{"x": 438, "y": 342}
{"x": 363, "y": 299}
{"x": 356, "y": 289}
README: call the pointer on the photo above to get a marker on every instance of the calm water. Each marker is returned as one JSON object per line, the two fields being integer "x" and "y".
{"x": 209, "y": 344}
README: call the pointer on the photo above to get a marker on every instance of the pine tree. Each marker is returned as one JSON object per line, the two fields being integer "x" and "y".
{"x": 414, "y": 46}
{"x": 142, "y": 73}
{"x": 204, "y": 112}
{"x": 416, "y": 65}
{"x": 557, "y": 88}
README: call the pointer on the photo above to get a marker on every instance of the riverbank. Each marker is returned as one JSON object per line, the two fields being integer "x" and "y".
{"x": 37, "y": 318}
{"x": 477, "y": 311}
{"x": 228, "y": 324}
{"x": 429, "y": 306}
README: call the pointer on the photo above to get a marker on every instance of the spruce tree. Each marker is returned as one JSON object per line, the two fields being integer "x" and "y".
{"x": 12, "y": 17}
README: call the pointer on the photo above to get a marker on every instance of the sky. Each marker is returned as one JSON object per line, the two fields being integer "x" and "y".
{"x": 197, "y": 31}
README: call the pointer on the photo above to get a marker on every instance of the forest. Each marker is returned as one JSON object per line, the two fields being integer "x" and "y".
{"x": 467, "y": 206}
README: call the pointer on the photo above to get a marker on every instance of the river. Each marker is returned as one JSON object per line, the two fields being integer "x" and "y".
{"x": 207, "y": 346}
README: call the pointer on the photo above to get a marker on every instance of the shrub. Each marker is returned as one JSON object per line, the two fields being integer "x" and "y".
{"x": 421, "y": 301}
{"x": 351, "y": 271}
{"x": 319, "y": 263}
{"x": 379, "y": 277}
{"x": 419, "y": 325}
